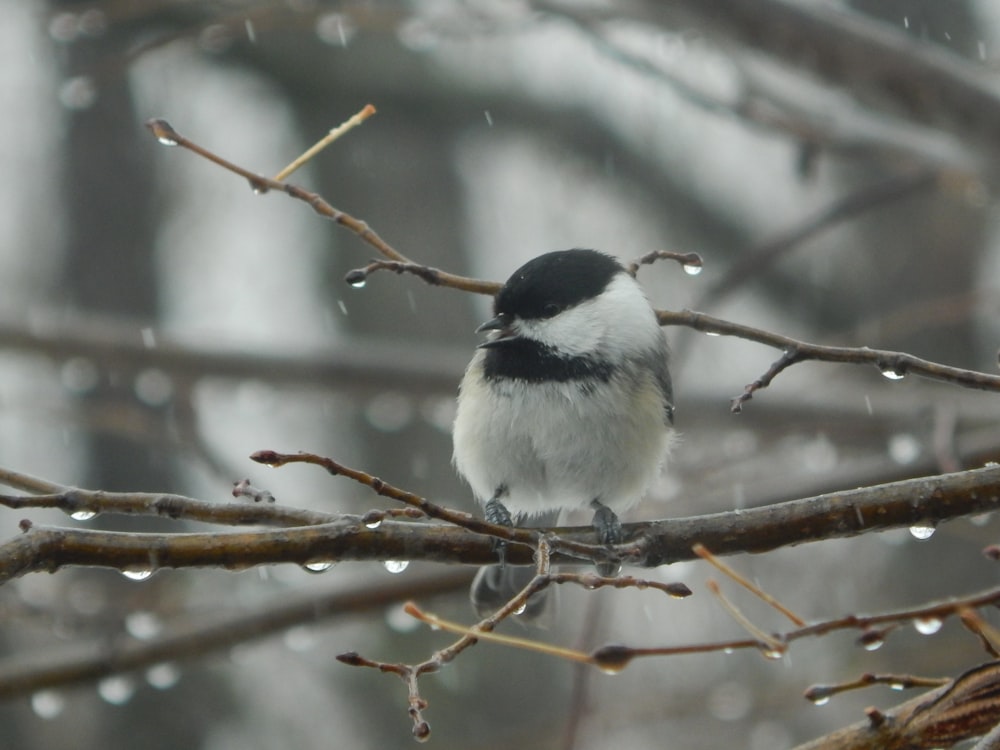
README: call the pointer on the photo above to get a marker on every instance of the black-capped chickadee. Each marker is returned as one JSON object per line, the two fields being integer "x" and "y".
{"x": 567, "y": 404}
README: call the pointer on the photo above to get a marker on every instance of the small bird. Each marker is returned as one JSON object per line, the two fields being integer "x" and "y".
{"x": 567, "y": 404}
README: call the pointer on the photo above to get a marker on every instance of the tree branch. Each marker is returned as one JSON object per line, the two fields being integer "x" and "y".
{"x": 882, "y": 66}
{"x": 893, "y": 365}
{"x": 166, "y": 135}
{"x": 966, "y": 707}
{"x": 920, "y": 502}
{"x": 183, "y": 641}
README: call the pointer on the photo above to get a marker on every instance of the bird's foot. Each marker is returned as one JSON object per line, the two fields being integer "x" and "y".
{"x": 609, "y": 532}
{"x": 497, "y": 513}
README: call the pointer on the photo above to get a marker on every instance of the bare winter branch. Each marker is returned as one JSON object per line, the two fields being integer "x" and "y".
{"x": 966, "y": 707}
{"x": 893, "y": 365}
{"x": 922, "y": 503}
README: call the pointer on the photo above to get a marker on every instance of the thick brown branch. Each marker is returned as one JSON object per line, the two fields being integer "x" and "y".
{"x": 966, "y": 707}
{"x": 915, "y": 502}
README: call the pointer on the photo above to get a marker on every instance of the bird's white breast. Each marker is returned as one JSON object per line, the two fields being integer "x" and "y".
{"x": 559, "y": 444}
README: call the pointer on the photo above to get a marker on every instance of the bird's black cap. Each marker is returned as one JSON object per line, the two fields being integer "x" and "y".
{"x": 550, "y": 283}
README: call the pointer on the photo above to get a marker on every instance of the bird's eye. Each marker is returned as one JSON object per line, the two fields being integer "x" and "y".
{"x": 551, "y": 310}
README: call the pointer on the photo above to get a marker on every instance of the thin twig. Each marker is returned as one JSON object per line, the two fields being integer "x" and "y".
{"x": 166, "y": 135}
{"x": 367, "y": 111}
{"x": 772, "y": 647}
{"x": 820, "y": 694}
{"x": 893, "y": 365}
{"x": 690, "y": 262}
{"x": 775, "y": 644}
{"x": 526, "y": 536}
{"x": 705, "y": 554}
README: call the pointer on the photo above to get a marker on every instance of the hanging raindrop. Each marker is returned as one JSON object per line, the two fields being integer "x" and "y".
{"x": 136, "y": 574}
{"x": 927, "y": 625}
{"x": 317, "y": 566}
{"x": 922, "y": 531}
{"x": 692, "y": 269}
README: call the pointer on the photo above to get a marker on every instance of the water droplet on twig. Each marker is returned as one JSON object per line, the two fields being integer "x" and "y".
{"x": 317, "y": 566}
{"x": 922, "y": 531}
{"x": 137, "y": 574}
{"x": 692, "y": 269}
{"x": 927, "y": 625}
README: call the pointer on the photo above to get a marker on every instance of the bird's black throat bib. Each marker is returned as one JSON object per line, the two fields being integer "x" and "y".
{"x": 524, "y": 359}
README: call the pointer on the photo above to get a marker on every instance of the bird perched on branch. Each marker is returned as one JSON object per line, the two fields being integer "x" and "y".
{"x": 567, "y": 404}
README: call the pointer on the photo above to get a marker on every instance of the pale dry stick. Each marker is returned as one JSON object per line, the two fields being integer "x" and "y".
{"x": 483, "y": 630}
{"x": 410, "y": 673}
{"x": 704, "y": 553}
{"x": 472, "y": 631}
{"x": 367, "y": 111}
{"x": 543, "y": 580}
{"x": 28, "y": 483}
{"x": 989, "y": 636}
{"x": 775, "y": 647}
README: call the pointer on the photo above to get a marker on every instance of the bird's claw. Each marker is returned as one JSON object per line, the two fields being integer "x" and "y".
{"x": 609, "y": 533}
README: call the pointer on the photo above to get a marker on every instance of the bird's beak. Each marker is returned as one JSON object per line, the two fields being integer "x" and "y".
{"x": 501, "y": 324}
